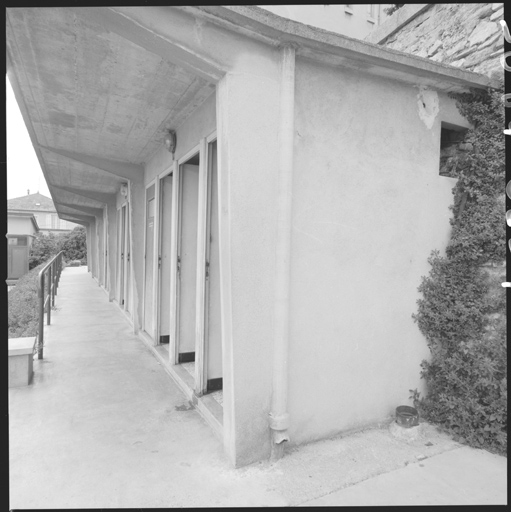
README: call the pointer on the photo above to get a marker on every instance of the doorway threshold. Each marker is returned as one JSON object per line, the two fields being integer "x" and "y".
{"x": 218, "y": 395}
{"x": 209, "y": 408}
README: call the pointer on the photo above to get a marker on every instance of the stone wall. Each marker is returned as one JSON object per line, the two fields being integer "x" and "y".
{"x": 467, "y": 35}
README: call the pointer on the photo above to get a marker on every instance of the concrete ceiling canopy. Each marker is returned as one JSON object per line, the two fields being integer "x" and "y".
{"x": 100, "y": 89}
{"x": 97, "y": 101}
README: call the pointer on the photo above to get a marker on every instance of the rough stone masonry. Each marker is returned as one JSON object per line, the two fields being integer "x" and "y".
{"x": 468, "y": 36}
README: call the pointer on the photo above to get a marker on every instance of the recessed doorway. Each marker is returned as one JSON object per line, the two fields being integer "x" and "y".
{"x": 164, "y": 259}
{"x": 187, "y": 261}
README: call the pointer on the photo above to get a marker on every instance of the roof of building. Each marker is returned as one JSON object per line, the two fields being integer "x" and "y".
{"x": 31, "y": 202}
{"x": 172, "y": 58}
{"x": 338, "y": 49}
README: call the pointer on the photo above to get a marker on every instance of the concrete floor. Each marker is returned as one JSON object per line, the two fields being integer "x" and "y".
{"x": 103, "y": 425}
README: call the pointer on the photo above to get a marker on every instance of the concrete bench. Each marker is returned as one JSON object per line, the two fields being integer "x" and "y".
{"x": 21, "y": 362}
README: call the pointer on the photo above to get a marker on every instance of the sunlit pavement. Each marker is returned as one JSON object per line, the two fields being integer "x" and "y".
{"x": 103, "y": 425}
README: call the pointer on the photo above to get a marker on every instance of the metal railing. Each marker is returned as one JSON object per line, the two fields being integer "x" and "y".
{"x": 47, "y": 285}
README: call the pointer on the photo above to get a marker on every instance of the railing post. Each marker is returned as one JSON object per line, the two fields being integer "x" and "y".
{"x": 48, "y": 311}
{"x": 41, "y": 317}
{"x": 52, "y": 288}
{"x": 59, "y": 270}
{"x": 47, "y": 289}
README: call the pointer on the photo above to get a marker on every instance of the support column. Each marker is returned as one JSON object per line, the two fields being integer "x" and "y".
{"x": 248, "y": 159}
{"x": 112, "y": 250}
{"x": 137, "y": 207}
{"x": 94, "y": 248}
{"x": 89, "y": 246}
{"x": 279, "y": 417}
{"x": 99, "y": 250}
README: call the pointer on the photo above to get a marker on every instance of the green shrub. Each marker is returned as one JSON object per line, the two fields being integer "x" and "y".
{"x": 462, "y": 309}
{"x": 43, "y": 248}
{"x": 74, "y": 244}
{"x": 23, "y": 303}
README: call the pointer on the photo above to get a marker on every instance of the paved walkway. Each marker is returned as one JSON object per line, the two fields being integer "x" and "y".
{"x": 103, "y": 425}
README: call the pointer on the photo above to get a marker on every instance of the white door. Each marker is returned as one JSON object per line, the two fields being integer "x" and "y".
{"x": 149, "y": 262}
{"x": 187, "y": 261}
{"x": 164, "y": 258}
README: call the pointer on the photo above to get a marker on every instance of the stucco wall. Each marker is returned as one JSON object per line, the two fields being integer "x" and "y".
{"x": 368, "y": 208}
{"x": 463, "y": 35}
{"x": 20, "y": 226}
{"x": 200, "y": 124}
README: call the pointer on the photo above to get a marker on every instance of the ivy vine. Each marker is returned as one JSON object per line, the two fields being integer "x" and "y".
{"x": 462, "y": 309}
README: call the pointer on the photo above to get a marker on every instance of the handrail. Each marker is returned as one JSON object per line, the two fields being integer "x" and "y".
{"x": 47, "y": 294}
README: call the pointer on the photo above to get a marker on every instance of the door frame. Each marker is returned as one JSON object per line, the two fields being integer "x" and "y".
{"x": 128, "y": 265}
{"x": 120, "y": 255}
{"x": 203, "y": 251}
{"x": 175, "y": 250}
{"x": 105, "y": 248}
{"x": 210, "y": 139}
{"x": 169, "y": 171}
{"x": 203, "y": 229}
{"x": 149, "y": 185}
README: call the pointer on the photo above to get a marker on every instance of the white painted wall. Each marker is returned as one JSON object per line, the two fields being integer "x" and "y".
{"x": 20, "y": 225}
{"x": 368, "y": 208}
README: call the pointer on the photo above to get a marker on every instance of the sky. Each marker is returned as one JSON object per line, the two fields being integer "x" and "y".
{"x": 23, "y": 169}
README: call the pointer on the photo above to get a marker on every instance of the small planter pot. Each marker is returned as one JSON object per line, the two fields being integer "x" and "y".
{"x": 407, "y": 416}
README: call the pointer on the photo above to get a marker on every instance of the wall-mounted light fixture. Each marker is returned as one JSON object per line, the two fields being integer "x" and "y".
{"x": 124, "y": 189}
{"x": 170, "y": 141}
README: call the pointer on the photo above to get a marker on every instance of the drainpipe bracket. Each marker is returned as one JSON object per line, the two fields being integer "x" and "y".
{"x": 279, "y": 422}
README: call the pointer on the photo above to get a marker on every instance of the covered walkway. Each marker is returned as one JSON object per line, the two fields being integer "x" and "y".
{"x": 103, "y": 425}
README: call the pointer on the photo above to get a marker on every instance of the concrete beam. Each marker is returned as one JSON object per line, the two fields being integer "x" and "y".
{"x": 336, "y": 49}
{"x": 72, "y": 219}
{"x": 75, "y": 217}
{"x": 20, "y": 100}
{"x": 100, "y": 197}
{"x": 137, "y": 25}
{"x": 85, "y": 209}
{"x": 125, "y": 170}
{"x": 393, "y": 23}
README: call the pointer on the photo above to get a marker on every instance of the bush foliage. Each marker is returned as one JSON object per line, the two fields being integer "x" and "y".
{"x": 23, "y": 300}
{"x": 45, "y": 247}
{"x": 74, "y": 244}
{"x": 462, "y": 309}
{"x": 23, "y": 303}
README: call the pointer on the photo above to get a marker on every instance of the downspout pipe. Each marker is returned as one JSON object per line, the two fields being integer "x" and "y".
{"x": 279, "y": 417}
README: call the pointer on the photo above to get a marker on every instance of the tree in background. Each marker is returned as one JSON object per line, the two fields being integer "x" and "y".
{"x": 43, "y": 248}
{"x": 74, "y": 244}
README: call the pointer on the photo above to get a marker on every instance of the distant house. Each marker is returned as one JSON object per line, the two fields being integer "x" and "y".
{"x": 352, "y": 20}
{"x": 21, "y": 230}
{"x": 43, "y": 209}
